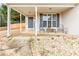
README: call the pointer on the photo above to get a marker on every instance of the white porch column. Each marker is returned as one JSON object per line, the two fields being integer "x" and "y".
{"x": 36, "y": 22}
{"x": 8, "y": 21}
{"x": 26, "y": 22}
{"x": 60, "y": 20}
{"x": 20, "y": 23}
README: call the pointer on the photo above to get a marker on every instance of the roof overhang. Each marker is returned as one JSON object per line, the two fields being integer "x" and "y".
{"x": 28, "y": 9}
{"x": 41, "y": 4}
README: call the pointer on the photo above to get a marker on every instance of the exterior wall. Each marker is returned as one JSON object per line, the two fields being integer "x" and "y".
{"x": 38, "y": 23}
{"x": 26, "y": 25}
{"x": 70, "y": 20}
{"x": 60, "y": 20}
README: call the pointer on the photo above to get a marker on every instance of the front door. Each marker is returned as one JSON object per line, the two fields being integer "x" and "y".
{"x": 30, "y": 23}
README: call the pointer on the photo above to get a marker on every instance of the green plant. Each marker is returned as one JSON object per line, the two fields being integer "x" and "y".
{"x": 3, "y": 15}
{"x": 15, "y": 16}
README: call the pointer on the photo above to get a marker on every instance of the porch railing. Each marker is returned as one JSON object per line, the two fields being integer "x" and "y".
{"x": 55, "y": 29}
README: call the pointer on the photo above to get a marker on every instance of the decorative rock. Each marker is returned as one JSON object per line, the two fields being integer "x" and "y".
{"x": 18, "y": 42}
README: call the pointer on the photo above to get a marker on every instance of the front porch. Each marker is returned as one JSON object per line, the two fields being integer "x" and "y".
{"x": 36, "y": 40}
{"x": 39, "y": 18}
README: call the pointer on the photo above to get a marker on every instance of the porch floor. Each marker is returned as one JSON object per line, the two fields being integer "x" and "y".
{"x": 32, "y": 33}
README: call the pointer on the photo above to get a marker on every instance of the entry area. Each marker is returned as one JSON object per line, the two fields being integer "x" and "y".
{"x": 31, "y": 23}
{"x": 39, "y": 18}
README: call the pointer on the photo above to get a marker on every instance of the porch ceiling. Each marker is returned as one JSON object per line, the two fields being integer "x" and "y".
{"x": 30, "y": 10}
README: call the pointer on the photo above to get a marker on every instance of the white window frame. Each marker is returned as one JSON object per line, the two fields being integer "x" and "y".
{"x": 52, "y": 26}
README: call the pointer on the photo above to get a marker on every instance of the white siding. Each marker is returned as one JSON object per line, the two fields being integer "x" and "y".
{"x": 70, "y": 19}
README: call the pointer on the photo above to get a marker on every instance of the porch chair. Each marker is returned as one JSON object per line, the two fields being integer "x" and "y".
{"x": 62, "y": 29}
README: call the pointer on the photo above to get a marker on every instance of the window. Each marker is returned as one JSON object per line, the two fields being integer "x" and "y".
{"x": 54, "y": 23}
{"x": 49, "y": 17}
{"x": 44, "y": 24}
{"x": 49, "y": 20}
{"x": 49, "y": 23}
{"x": 54, "y": 17}
{"x": 30, "y": 22}
{"x": 45, "y": 18}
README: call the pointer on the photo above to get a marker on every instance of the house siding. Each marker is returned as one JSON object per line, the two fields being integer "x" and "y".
{"x": 70, "y": 20}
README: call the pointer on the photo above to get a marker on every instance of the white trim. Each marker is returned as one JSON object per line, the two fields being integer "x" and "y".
{"x": 26, "y": 22}
{"x": 20, "y": 23}
{"x": 18, "y": 11}
{"x": 15, "y": 10}
{"x": 36, "y": 22}
{"x": 8, "y": 21}
{"x": 41, "y": 5}
{"x": 60, "y": 20}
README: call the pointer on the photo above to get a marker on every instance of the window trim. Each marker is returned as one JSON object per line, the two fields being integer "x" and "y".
{"x": 52, "y": 26}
